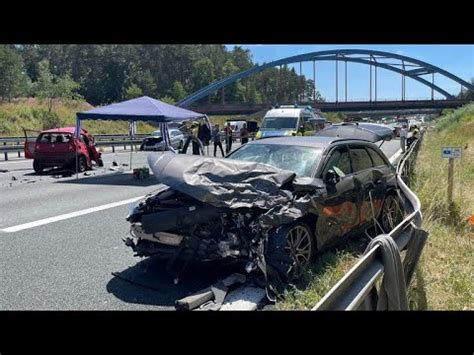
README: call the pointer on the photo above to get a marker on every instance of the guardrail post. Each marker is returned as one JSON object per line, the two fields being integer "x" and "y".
{"x": 19, "y": 153}
{"x": 6, "y": 154}
{"x": 113, "y": 146}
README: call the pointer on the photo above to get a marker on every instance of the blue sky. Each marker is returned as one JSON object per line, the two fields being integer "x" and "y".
{"x": 457, "y": 59}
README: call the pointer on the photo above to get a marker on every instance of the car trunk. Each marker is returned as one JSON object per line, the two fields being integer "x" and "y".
{"x": 51, "y": 151}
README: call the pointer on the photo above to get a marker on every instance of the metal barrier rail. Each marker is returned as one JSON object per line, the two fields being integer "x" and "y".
{"x": 353, "y": 289}
{"x": 111, "y": 140}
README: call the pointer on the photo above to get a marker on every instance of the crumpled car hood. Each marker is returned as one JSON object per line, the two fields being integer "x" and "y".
{"x": 223, "y": 182}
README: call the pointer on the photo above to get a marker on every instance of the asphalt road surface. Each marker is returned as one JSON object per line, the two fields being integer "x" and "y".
{"x": 61, "y": 239}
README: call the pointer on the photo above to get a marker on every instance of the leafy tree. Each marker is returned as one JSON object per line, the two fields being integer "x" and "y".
{"x": 168, "y": 99}
{"x": 178, "y": 92}
{"x": 132, "y": 92}
{"x": 50, "y": 87}
{"x": 105, "y": 72}
{"x": 203, "y": 73}
{"x": 13, "y": 80}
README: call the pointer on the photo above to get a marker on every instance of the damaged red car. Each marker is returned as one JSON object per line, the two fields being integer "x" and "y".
{"x": 58, "y": 147}
{"x": 271, "y": 204}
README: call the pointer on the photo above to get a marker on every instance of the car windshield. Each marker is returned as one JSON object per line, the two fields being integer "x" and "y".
{"x": 156, "y": 134}
{"x": 280, "y": 122}
{"x": 298, "y": 159}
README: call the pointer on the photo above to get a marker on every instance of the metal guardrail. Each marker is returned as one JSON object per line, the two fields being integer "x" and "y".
{"x": 108, "y": 140}
{"x": 355, "y": 287}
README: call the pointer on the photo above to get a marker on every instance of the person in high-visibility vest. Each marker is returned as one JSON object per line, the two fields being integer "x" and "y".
{"x": 416, "y": 133}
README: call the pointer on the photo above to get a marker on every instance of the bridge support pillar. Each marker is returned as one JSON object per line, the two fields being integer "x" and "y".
{"x": 345, "y": 71}
{"x": 337, "y": 79}
{"x": 370, "y": 80}
{"x": 376, "y": 83}
{"x": 432, "y": 90}
{"x": 314, "y": 80}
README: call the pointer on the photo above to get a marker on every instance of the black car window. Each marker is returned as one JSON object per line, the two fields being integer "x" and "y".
{"x": 360, "y": 159}
{"x": 376, "y": 158}
{"x": 339, "y": 158}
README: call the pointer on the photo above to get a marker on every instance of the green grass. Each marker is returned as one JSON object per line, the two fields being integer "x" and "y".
{"x": 446, "y": 271}
{"x": 30, "y": 113}
{"x": 328, "y": 269}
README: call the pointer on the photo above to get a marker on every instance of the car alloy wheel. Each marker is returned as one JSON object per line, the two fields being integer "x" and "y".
{"x": 299, "y": 244}
{"x": 391, "y": 213}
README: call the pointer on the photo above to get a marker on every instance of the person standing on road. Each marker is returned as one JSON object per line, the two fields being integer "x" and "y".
{"x": 244, "y": 134}
{"x": 228, "y": 138}
{"x": 403, "y": 137}
{"x": 216, "y": 138}
{"x": 195, "y": 133}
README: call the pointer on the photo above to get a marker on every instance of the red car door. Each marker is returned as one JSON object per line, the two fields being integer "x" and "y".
{"x": 29, "y": 145}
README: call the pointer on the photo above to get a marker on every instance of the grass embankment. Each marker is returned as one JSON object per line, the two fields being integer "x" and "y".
{"x": 445, "y": 275}
{"x": 32, "y": 114}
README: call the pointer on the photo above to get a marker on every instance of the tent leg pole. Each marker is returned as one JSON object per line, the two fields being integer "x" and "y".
{"x": 131, "y": 152}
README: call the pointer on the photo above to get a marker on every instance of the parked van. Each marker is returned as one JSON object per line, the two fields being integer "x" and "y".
{"x": 291, "y": 120}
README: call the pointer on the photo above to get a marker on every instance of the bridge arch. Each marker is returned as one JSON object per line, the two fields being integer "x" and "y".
{"x": 408, "y": 67}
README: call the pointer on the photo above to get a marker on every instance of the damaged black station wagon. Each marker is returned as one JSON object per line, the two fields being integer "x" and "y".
{"x": 271, "y": 204}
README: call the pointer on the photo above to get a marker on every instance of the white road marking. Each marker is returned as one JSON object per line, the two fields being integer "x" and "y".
{"x": 68, "y": 215}
{"x": 395, "y": 156}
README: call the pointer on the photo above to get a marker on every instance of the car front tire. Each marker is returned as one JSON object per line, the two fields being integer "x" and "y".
{"x": 290, "y": 249}
{"x": 37, "y": 167}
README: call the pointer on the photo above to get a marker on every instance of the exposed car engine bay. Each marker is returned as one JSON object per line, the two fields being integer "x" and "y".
{"x": 204, "y": 212}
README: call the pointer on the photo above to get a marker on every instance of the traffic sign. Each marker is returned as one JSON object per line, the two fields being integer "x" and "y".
{"x": 451, "y": 152}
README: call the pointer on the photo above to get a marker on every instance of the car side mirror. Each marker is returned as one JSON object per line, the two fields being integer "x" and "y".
{"x": 307, "y": 184}
{"x": 331, "y": 177}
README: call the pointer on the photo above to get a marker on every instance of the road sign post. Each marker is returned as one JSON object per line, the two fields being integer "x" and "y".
{"x": 450, "y": 180}
{"x": 451, "y": 153}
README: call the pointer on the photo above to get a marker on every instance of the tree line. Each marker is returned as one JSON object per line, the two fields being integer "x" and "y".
{"x": 102, "y": 74}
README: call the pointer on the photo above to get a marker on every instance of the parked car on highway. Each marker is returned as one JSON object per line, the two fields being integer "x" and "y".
{"x": 271, "y": 204}
{"x": 155, "y": 140}
{"x": 58, "y": 147}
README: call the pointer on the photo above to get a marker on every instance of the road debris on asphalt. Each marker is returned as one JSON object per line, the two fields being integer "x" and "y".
{"x": 212, "y": 297}
{"x": 141, "y": 173}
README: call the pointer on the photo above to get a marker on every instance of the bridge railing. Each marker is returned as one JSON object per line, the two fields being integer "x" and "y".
{"x": 356, "y": 287}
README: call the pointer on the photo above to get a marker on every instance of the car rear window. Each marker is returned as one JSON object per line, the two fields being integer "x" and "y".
{"x": 54, "y": 138}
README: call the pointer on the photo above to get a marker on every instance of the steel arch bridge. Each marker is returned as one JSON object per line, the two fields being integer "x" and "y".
{"x": 406, "y": 66}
